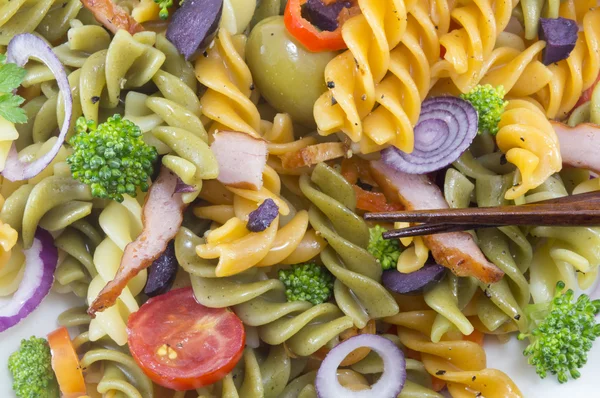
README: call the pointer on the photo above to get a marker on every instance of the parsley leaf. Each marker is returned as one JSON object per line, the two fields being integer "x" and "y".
{"x": 11, "y": 77}
{"x": 9, "y": 108}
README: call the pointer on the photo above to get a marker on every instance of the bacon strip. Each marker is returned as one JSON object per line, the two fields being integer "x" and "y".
{"x": 241, "y": 158}
{"x": 112, "y": 16}
{"x": 579, "y": 145}
{"x": 162, "y": 216}
{"x": 313, "y": 154}
{"x": 455, "y": 250}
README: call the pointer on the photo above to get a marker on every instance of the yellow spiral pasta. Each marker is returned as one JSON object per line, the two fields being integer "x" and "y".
{"x": 288, "y": 241}
{"x": 577, "y": 73}
{"x": 530, "y": 143}
{"x": 11, "y": 259}
{"x": 468, "y": 47}
{"x": 122, "y": 223}
{"x": 223, "y": 71}
{"x": 354, "y": 77}
{"x": 461, "y": 364}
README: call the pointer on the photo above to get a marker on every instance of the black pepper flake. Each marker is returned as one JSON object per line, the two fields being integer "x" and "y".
{"x": 333, "y": 101}
{"x": 487, "y": 294}
{"x": 205, "y": 54}
{"x": 503, "y": 160}
{"x": 522, "y": 139}
{"x": 473, "y": 378}
{"x": 478, "y": 394}
{"x": 330, "y": 84}
{"x": 64, "y": 5}
{"x": 95, "y": 99}
{"x": 517, "y": 317}
{"x": 363, "y": 97}
{"x": 440, "y": 373}
{"x": 252, "y": 87}
{"x": 436, "y": 27}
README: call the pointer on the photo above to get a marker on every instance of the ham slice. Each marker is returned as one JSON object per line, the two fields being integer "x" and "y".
{"x": 111, "y": 16}
{"x": 162, "y": 216}
{"x": 241, "y": 158}
{"x": 579, "y": 145}
{"x": 455, "y": 250}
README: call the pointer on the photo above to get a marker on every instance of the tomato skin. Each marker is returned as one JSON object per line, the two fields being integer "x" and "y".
{"x": 587, "y": 94}
{"x": 65, "y": 364}
{"x": 306, "y": 33}
{"x": 183, "y": 345}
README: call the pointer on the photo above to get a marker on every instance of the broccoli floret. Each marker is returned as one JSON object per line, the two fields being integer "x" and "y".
{"x": 489, "y": 104}
{"x": 164, "y": 8}
{"x": 31, "y": 369}
{"x": 561, "y": 334}
{"x": 307, "y": 282}
{"x": 111, "y": 158}
{"x": 386, "y": 251}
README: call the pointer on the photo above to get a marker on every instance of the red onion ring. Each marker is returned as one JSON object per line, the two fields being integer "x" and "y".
{"x": 20, "y": 49}
{"x": 182, "y": 187}
{"x": 389, "y": 384}
{"x": 446, "y": 128}
{"x": 40, "y": 263}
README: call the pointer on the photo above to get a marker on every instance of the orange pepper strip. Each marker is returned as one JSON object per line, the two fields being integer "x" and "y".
{"x": 65, "y": 364}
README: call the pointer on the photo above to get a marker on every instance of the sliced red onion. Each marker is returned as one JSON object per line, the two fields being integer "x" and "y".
{"x": 162, "y": 273}
{"x": 19, "y": 50}
{"x": 182, "y": 187}
{"x": 389, "y": 384}
{"x": 40, "y": 263}
{"x": 413, "y": 282}
{"x": 446, "y": 128}
{"x": 261, "y": 218}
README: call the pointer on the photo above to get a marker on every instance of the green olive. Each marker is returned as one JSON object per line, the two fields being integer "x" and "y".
{"x": 288, "y": 76}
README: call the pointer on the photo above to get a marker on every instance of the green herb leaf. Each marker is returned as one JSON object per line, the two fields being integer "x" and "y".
{"x": 11, "y": 77}
{"x": 9, "y": 108}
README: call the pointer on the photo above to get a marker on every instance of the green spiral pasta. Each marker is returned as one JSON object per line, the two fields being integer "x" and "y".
{"x": 357, "y": 290}
{"x": 569, "y": 254}
{"x": 49, "y": 17}
{"x": 260, "y": 302}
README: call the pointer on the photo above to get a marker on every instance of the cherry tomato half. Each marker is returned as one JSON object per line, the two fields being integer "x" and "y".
{"x": 183, "y": 345}
{"x": 65, "y": 364}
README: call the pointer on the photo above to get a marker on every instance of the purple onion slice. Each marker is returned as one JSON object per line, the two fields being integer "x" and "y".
{"x": 389, "y": 384}
{"x": 182, "y": 187}
{"x": 162, "y": 272}
{"x": 261, "y": 218}
{"x": 446, "y": 128}
{"x": 40, "y": 263}
{"x": 413, "y": 282}
{"x": 20, "y": 49}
